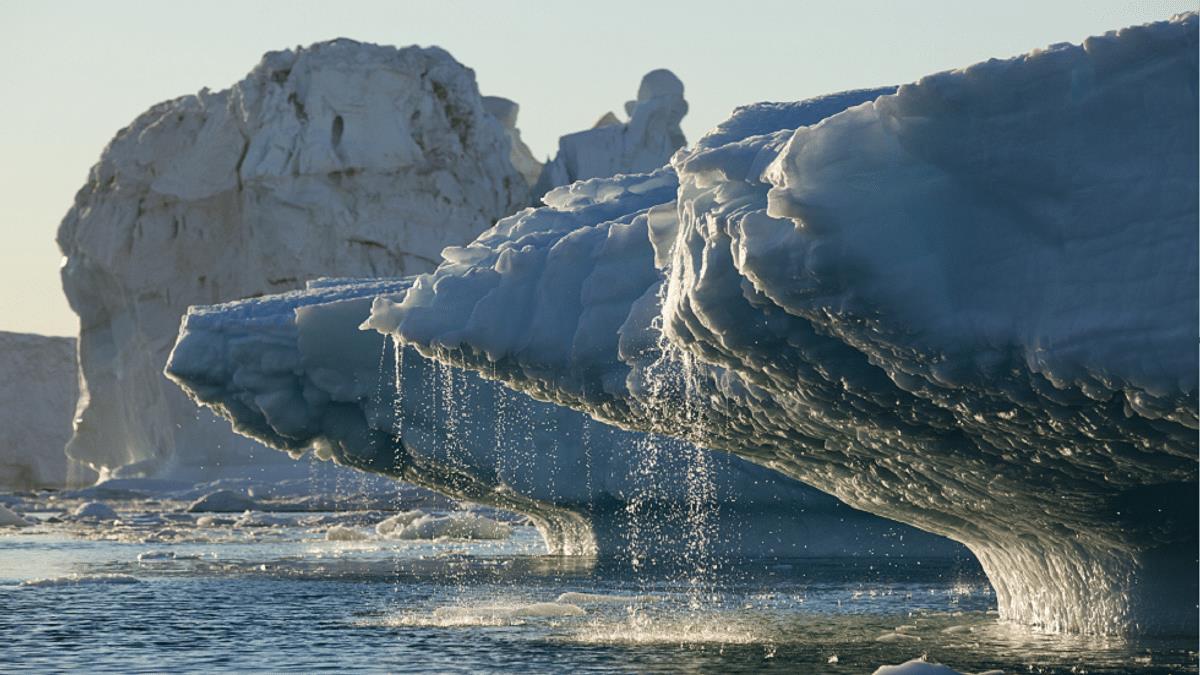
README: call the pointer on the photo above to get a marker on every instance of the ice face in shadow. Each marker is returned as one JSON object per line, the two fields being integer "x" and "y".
{"x": 295, "y": 372}
{"x": 970, "y": 306}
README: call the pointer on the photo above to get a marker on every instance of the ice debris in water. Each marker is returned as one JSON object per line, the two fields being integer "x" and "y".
{"x": 460, "y": 525}
{"x": 9, "y": 518}
{"x": 94, "y": 511}
{"x": 80, "y": 579}
{"x": 344, "y": 533}
{"x": 223, "y": 501}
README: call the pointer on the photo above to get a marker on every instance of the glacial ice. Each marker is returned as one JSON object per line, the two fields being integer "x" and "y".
{"x": 295, "y": 372}
{"x": 970, "y": 306}
{"x": 642, "y": 144}
{"x": 37, "y": 401}
{"x": 337, "y": 159}
{"x": 9, "y": 518}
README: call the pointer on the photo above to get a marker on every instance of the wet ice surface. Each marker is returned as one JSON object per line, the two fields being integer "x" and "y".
{"x": 162, "y": 589}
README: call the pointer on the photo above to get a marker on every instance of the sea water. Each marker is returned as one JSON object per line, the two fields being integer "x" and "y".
{"x": 166, "y": 591}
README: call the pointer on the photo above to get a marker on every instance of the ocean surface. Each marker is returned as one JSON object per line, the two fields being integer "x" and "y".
{"x": 164, "y": 591}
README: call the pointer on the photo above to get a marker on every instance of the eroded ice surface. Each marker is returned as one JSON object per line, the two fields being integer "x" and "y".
{"x": 295, "y": 372}
{"x": 970, "y": 306}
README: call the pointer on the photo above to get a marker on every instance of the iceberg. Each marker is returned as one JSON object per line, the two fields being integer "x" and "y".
{"x": 295, "y": 372}
{"x": 969, "y": 305}
{"x": 642, "y": 144}
{"x": 37, "y": 402}
{"x": 341, "y": 158}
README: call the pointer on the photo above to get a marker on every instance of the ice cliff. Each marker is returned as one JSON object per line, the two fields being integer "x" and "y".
{"x": 642, "y": 144}
{"x": 338, "y": 159}
{"x": 295, "y": 372}
{"x": 37, "y": 401}
{"x": 970, "y": 305}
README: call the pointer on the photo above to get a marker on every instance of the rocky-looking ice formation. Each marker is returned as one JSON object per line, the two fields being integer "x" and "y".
{"x": 338, "y": 159}
{"x": 295, "y": 372}
{"x": 970, "y": 306}
{"x": 642, "y": 144}
{"x": 37, "y": 401}
{"x": 341, "y": 159}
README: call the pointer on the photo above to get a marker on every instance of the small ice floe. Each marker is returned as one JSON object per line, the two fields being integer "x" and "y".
{"x": 95, "y": 512}
{"x": 9, "y": 518}
{"x": 461, "y": 525}
{"x": 917, "y": 666}
{"x": 79, "y": 579}
{"x": 897, "y": 636}
{"x": 214, "y": 521}
{"x": 602, "y": 599}
{"x": 223, "y": 501}
{"x": 255, "y": 519}
{"x": 388, "y": 526}
{"x": 343, "y": 533}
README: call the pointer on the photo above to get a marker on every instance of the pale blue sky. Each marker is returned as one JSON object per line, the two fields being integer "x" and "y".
{"x": 73, "y": 73}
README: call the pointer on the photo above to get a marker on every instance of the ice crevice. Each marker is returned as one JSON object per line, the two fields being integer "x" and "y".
{"x": 968, "y": 305}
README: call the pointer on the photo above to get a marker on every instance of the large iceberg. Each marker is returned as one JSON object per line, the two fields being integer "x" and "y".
{"x": 970, "y": 306}
{"x": 337, "y": 159}
{"x": 37, "y": 401}
{"x": 295, "y": 372}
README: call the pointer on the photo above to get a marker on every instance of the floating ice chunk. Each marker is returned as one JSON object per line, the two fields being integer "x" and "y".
{"x": 94, "y": 511}
{"x": 897, "y": 636}
{"x": 389, "y": 526}
{"x": 918, "y": 666}
{"x": 81, "y": 579}
{"x": 223, "y": 501}
{"x": 463, "y": 525}
{"x": 256, "y": 519}
{"x": 603, "y": 599}
{"x": 344, "y": 533}
{"x": 9, "y": 518}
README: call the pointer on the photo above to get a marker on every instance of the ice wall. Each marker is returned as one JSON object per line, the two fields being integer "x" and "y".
{"x": 296, "y": 372}
{"x": 338, "y": 159}
{"x": 970, "y": 306}
{"x": 642, "y": 144}
{"x": 37, "y": 402}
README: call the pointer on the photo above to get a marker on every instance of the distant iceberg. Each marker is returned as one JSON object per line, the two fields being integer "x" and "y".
{"x": 970, "y": 306}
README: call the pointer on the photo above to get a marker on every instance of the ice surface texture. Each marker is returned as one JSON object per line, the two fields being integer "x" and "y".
{"x": 296, "y": 372}
{"x": 970, "y": 306}
{"x": 338, "y": 159}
